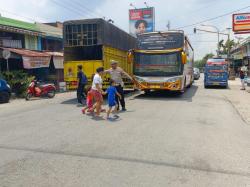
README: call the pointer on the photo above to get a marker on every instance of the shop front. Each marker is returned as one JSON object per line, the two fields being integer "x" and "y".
{"x": 45, "y": 66}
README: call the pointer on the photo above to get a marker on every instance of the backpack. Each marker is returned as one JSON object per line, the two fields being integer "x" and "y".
{"x": 84, "y": 79}
{"x": 242, "y": 75}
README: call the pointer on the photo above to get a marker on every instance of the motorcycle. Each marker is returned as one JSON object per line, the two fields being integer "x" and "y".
{"x": 36, "y": 89}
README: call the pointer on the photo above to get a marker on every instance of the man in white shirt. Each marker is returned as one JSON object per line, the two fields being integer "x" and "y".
{"x": 117, "y": 73}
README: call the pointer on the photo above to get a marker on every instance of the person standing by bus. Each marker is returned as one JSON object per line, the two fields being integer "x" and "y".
{"x": 82, "y": 81}
{"x": 117, "y": 74}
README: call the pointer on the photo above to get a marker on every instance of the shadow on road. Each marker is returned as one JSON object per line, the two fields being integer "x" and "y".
{"x": 218, "y": 88}
{"x": 167, "y": 95}
{"x": 70, "y": 102}
{"x": 75, "y": 102}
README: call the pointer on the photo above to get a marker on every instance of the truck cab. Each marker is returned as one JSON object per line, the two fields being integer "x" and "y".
{"x": 5, "y": 91}
{"x": 216, "y": 73}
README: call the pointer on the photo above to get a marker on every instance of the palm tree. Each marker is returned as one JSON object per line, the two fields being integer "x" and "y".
{"x": 226, "y": 47}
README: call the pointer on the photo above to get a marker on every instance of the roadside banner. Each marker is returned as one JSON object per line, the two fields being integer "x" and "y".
{"x": 58, "y": 62}
{"x": 35, "y": 62}
{"x": 141, "y": 20}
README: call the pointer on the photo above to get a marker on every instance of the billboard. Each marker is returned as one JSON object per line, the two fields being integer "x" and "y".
{"x": 241, "y": 22}
{"x": 141, "y": 20}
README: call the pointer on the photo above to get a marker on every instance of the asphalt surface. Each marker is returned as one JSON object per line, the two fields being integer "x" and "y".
{"x": 195, "y": 139}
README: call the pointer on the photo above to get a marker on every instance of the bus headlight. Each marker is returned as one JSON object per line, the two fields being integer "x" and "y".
{"x": 174, "y": 79}
{"x": 140, "y": 80}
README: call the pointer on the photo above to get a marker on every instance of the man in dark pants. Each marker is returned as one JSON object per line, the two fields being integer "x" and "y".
{"x": 82, "y": 81}
{"x": 117, "y": 74}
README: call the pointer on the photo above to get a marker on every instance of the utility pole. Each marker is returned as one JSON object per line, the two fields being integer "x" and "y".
{"x": 228, "y": 39}
{"x": 218, "y": 34}
{"x": 168, "y": 25}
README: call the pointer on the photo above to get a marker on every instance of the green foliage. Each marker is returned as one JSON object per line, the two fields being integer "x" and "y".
{"x": 226, "y": 47}
{"x": 201, "y": 63}
{"x": 18, "y": 81}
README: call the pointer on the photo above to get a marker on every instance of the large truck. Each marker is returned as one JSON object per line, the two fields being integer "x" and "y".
{"x": 216, "y": 73}
{"x": 163, "y": 61}
{"x": 93, "y": 43}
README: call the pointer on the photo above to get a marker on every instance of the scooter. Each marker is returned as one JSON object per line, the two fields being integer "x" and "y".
{"x": 37, "y": 89}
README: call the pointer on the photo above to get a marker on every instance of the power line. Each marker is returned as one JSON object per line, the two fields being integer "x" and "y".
{"x": 87, "y": 9}
{"x": 77, "y": 7}
{"x": 202, "y": 41}
{"x": 193, "y": 11}
{"x": 210, "y": 19}
{"x": 69, "y": 8}
{"x": 191, "y": 34}
{"x": 28, "y": 18}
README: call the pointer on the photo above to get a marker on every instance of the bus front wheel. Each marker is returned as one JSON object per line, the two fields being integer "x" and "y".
{"x": 147, "y": 92}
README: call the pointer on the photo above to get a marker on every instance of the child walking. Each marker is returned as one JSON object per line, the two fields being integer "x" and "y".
{"x": 89, "y": 102}
{"x": 112, "y": 92}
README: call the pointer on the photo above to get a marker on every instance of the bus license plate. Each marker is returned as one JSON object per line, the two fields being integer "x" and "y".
{"x": 216, "y": 83}
{"x": 155, "y": 86}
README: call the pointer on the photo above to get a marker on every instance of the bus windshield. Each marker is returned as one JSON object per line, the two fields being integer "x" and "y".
{"x": 157, "y": 64}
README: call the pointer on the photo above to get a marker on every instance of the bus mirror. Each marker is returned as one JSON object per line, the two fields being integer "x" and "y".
{"x": 130, "y": 57}
{"x": 184, "y": 57}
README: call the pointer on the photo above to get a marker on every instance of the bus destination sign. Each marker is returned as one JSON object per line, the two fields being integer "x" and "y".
{"x": 160, "y": 41}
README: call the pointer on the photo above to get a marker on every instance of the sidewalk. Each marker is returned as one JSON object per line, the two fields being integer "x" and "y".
{"x": 240, "y": 99}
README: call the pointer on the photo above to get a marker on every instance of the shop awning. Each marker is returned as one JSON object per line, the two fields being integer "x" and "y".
{"x": 32, "y": 59}
{"x": 57, "y": 59}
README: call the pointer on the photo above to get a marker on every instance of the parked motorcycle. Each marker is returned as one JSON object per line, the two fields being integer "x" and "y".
{"x": 37, "y": 89}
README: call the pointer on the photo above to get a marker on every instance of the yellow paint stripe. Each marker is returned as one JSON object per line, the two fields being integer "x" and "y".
{"x": 159, "y": 51}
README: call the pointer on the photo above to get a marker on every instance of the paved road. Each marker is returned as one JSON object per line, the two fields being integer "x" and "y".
{"x": 197, "y": 139}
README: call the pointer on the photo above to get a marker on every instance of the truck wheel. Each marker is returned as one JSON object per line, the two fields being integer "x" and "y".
{"x": 4, "y": 97}
{"x": 51, "y": 94}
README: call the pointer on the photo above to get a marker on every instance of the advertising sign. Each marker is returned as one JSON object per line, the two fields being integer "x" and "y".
{"x": 141, "y": 20}
{"x": 160, "y": 41}
{"x": 35, "y": 62}
{"x": 241, "y": 22}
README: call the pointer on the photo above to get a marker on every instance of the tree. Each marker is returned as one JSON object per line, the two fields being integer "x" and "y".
{"x": 207, "y": 56}
{"x": 226, "y": 47}
{"x": 201, "y": 63}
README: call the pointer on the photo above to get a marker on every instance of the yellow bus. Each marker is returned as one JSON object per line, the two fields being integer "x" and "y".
{"x": 163, "y": 61}
{"x": 93, "y": 43}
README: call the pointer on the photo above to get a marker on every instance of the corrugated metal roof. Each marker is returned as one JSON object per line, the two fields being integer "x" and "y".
{"x": 41, "y": 29}
{"x": 18, "y": 24}
{"x": 50, "y": 30}
{"x": 28, "y": 53}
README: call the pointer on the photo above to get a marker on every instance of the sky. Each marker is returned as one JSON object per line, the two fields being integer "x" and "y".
{"x": 180, "y": 13}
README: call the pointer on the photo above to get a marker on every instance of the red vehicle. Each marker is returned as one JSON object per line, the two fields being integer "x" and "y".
{"x": 36, "y": 89}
